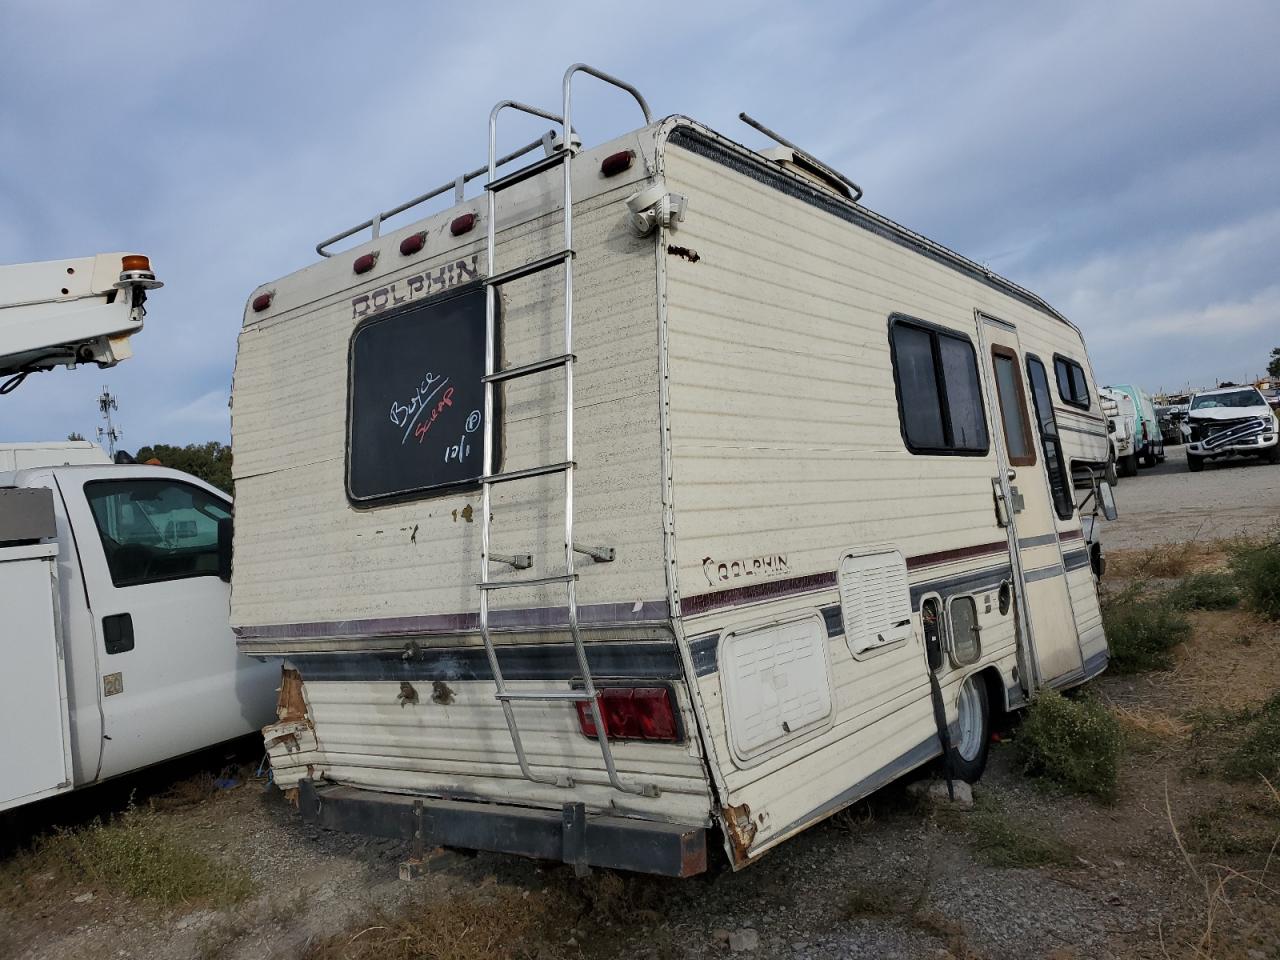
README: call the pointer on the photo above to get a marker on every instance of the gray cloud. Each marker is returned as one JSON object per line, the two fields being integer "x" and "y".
{"x": 1117, "y": 158}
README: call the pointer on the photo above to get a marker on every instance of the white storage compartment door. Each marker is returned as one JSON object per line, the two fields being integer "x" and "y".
{"x": 34, "y": 756}
{"x": 777, "y": 685}
{"x": 875, "y": 600}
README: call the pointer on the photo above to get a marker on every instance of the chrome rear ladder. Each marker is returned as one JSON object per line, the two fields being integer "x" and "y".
{"x": 587, "y": 693}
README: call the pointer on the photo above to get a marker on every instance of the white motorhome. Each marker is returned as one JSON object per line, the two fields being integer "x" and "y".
{"x": 113, "y": 578}
{"x": 665, "y": 489}
{"x": 1122, "y": 430}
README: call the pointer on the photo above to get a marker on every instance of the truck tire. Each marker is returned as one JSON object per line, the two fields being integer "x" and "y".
{"x": 1195, "y": 464}
{"x": 1273, "y": 455}
{"x": 1128, "y": 465}
{"x": 973, "y": 717}
{"x": 1149, "y": 457}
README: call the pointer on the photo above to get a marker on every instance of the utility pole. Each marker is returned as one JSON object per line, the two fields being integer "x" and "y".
{"x": 111, "y": 433}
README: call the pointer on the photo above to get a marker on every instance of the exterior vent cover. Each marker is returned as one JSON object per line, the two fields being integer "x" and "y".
{"x": 875, "y": 599}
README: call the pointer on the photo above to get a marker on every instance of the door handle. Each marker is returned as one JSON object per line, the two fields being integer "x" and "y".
{"x": 117, "y": 633}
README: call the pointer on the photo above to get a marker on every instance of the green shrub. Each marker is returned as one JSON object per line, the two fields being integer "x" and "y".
{"x": 1142, "y": 630}
{"x": 1002, "y": 841}
{"x": 1075, "y": 743}
{"x": 131, "y": 855}
{"x": 1258, "y": 571}
{"x": 1206, "y": 591}
{"x": 1258, "y": 753}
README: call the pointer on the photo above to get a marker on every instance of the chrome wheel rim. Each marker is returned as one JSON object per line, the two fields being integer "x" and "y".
{"x": 969, "y": 710}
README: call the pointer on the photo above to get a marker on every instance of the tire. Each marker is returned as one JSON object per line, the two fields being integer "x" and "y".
{"x": 1128, "y": 465}
{"x": 1195, "y": 464}
{"x": 1149, "y": 457}
{"x": 1273, "y": 455}
{"x": 973, "y": 718}
{"x": 1109, "y": 472}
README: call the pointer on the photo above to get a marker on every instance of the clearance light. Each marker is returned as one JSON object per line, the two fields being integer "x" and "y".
{"x": 615, "y": 163}
{"x": 462, "y": 224}
{"x": 135, "y": 271}
{"x": 412, "y": 244}
{"x": 365, "y": 263}
{"x": 633, "y": 713}
{"x": 263, "y": 300}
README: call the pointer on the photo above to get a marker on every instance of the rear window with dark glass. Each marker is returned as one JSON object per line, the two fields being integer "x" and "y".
{"x": 416, "y": 399}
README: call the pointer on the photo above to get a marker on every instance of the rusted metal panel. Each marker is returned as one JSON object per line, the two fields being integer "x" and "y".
{"x": 619, "y": 843}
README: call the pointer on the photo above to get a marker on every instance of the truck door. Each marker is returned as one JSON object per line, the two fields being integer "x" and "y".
{"x": 171, "y": 680}
{"x": 1025, "y": 507}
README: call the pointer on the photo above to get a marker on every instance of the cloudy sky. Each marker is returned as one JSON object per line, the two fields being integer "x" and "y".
{"x": 1120, "y": 159}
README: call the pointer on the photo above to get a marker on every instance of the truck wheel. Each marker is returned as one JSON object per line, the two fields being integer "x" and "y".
{"x": 973, "y": 720}
{"x": 1149, "y": 458}
{"x": 1109, "y": 474}
{"x": 1273, "y": 455}
{"x": 1195, "y": 464}
{"x": 1129, "y": 465}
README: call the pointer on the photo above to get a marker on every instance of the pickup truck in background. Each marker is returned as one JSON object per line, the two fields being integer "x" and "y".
{"x": 1231, "y": 421}
{"x": 119, "y": 653}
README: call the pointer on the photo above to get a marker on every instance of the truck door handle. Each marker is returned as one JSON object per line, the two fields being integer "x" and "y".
{"x": 117, "y": 633}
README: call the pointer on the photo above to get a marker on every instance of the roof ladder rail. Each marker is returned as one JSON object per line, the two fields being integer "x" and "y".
{"x": 584, "y": 689}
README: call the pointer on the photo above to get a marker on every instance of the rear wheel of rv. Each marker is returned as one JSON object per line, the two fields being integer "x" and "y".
{"x": 1129, "y": 465}
{"x": 973, "y": 722}
{"x": 1195, "y": 464}
{"x": 1109, "y": 474}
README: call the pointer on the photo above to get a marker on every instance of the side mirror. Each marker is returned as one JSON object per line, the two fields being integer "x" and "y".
{"x": 224, "y": 549}
{"x": 1108, "y": 501}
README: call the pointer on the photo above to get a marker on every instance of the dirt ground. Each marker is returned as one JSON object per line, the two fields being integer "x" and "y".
{"x": 1180, "y": 866}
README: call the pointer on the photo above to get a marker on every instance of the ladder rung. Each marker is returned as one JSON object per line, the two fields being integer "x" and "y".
{"x": 578, "y": 695}
{"x": 537, "y": 366}
{"x": 533, "y": 266}
{"x": 538, "y": 582}
{"x": 530, "y": 472}
{"x": 524, "y": 173}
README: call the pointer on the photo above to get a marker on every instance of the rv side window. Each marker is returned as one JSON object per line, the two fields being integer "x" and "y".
{"x": 1055, "y": 465}
{"x": 154, "y": 530}
{"x": 965, "y": 634}
{"x": 1072, "y": 386}
{"x": 1013, "y": 408}
{"x": 935, "y": 373}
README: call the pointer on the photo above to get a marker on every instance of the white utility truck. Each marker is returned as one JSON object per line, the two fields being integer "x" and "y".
{"x": 665, "y": 491}
{"x": 113, "y": 578}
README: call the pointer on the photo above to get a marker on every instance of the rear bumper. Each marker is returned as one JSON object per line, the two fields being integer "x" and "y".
{"x": 567, "y": 835}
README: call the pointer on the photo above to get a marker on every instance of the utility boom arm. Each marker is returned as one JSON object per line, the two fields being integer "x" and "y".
{"x": 64, "y": 312}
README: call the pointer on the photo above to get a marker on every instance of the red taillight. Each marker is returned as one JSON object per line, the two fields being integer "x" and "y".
{"x": 633, "y": 713}
{"x": 615, "y": 163}
{"x": 462, "y": 224}
{"x": 413, "y": 243}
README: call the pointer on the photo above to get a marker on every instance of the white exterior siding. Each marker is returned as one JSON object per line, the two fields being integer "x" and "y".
{"x": 305, "y": 555}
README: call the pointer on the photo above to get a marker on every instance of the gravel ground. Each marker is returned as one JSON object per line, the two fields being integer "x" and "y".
{"x": 1169, "y": 504}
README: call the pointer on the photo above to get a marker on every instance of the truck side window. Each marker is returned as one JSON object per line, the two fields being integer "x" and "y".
{"x": 155, "y": 530}
{"x": 935, "y": 372}
{"x": 1059, "y": 483}
{"x": 1072, "y": 386}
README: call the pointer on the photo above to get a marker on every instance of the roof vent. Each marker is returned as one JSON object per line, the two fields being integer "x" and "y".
{"x": 798, "y": 161}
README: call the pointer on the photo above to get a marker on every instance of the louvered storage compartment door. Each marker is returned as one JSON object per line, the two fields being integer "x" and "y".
{"x": 875, "y": 599}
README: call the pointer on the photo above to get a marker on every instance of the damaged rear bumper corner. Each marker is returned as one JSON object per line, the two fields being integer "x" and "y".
{"x": 568, "y": 835}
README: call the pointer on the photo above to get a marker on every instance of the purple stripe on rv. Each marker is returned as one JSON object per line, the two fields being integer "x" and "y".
{"x": 612, "y": 614}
